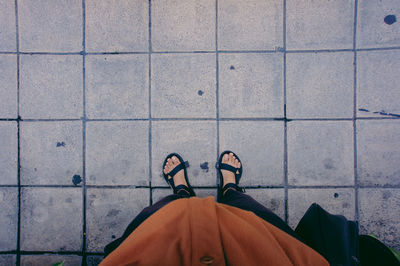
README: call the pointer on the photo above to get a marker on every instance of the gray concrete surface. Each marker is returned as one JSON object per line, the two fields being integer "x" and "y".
{"x": 245, "y": 91}
{"x": 117, "y": 86}
{"x": 61, "y": 75}
{"x": 51, "y": 219}
{"x": 323, "y": 89}
{"x": 95, "y": 94}
{"x": 109, "y": 212}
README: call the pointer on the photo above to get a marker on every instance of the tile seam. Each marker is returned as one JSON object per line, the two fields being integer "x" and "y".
{"x": 149, "y": 103}
{"x": 285, "y": 142}
{"x": 18, "y": 244}
{"x": 83, "y": 53}
{"x": 356, "y": 211}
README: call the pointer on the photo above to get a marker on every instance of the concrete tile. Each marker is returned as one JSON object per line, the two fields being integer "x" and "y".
{"x": 109, "y": 212}
{"x": 250, "y": 25}
{"x": 378, "y": 76}
{"x": 372, "y": 30}
{"x": 320, "y": 153}
{"x": 272, "y": 198}
{"x": 183, "y": 85}
{"x": 380, "y": 214}
{"x": 117, "y": 153}
{"x": 251, "y": 85}
{"x": 34, "y": 260}
{"x": 51, "y": 219}
{"x": 8, "y": 259}
{"x": 51, "y": 153}
{"x": 8, "y": 219}
{"x": 160, "y": 193}
{"x": 320, "y": 24}
{"x": 259, "y": 145}
{"x": 8, "y": 86}
{"x": 7, "y": 22}
{"x": 8, "y": 153}
{"x": 378, "y": 152}
{"x": 117, "y": 26}
{"x": 93, "y": 260}
{"x": 117, "y": 86}
{"x": 206, "y": 192}
{"x": 195, "y": 141}
{"x": 338, "y": 201}
{"x": 51, "y": 86}
{"x": 324, "y": 88}
{"x": 50, "y": 26}
{"x": 183, "y": 25}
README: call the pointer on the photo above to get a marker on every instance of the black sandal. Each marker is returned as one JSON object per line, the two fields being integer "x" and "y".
{"x": 237, "y": 171}
{"x": 183, "y": 165}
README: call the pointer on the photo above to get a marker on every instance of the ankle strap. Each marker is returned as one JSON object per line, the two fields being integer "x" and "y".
{"x": 232, "y": 185}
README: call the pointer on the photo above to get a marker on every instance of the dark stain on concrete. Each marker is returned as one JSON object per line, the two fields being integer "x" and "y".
{"x": 61, "y": 144}
{"x": 113, "y": 212}
{"x": 390, "y": 19}
{"x": 329, "y": 164}
{"x": 232, "y": 68}
{"x": 204, "y": 166}
{"x": 274, "y": 204}
{"x": 382, "y": 112}
{"x": 386, "y": 195}
{"x": 200, "y": 92}
{"x": 336, "y": 195}
{"x": 76, "y": 179}
{"x": 68, "y": 200}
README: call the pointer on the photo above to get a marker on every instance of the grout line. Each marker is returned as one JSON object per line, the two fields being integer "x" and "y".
{"x": 376, "y": 48}
{"x": 203, "y": 119}
{"x": 285, "y": 149}
{"x": 250, "y": 51}
{"x": 212, "y": 52}
{"x": 355, "y": 112}
{"x": 149, "y": 103}
{"x": 319, "y": 51}
{"x": 205, "y": 187}
{"x": 18, "y": 251}
{"x": 84, "y": 133}
{"x": 217, "y": 86}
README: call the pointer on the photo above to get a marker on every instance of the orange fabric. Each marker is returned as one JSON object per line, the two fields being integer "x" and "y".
{"x": 199, "y": 231}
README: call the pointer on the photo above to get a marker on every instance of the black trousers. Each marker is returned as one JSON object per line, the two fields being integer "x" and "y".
{"x": 232, "y": 197}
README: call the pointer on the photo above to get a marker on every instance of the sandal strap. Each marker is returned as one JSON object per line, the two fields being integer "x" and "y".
{"x": 224, "y": 166}
{"x": 176, "y": 170}
{"x": 232, "y": 185}
{"x": 180, "y": 187}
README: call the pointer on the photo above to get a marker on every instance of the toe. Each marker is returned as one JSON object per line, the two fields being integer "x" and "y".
{"x": 166, "y": 169}
{"x": 231, "y": 157}
{"x": 175, "y": 160}
{"x": 225, "y": 158}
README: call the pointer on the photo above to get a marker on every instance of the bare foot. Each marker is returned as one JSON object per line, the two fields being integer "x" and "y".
{"x": 179, "y": 178}
{"x": 228, "y": 176}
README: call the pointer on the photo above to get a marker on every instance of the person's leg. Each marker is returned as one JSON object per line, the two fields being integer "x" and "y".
{"x": 234, "y": 197}
{"x": 246, "y": 202}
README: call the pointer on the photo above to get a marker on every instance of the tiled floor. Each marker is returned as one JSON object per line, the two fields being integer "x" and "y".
{"x": 94, "y": 94}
